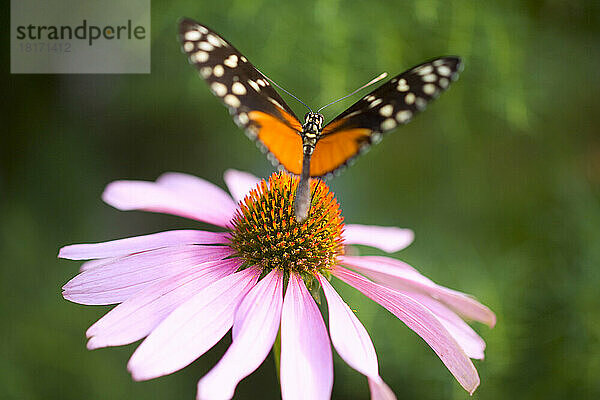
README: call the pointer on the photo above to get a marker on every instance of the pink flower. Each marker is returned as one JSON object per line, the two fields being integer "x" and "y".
{"x": 184, "y": 290}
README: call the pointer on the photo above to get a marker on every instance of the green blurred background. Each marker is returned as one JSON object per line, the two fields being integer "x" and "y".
{"x": 499, "y": 178}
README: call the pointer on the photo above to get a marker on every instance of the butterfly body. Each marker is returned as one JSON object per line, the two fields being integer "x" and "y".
{"x": 311, "y": 131}
{"x": 312, "y": 148}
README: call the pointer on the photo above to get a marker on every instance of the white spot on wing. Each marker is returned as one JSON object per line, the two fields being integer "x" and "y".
{"x": 243, "y": 118}
{"x": 386, "y": 110}
{"x": 420, "y": 103}
{"x": 223, "y": 42}
{"x": 388, "y": 124}
{"x": 231, "y": 61}
{"x": 205, "y": 72}
{"x": 232, "y": 101}
{"x": 238, "y": 88}
{"x": 205, "y": 46}
{"x": 272, "y": 100}
{"x": 244, "y": 59}
{"x": 218, "y": 89}
{"x": 202, "y": 29}
{"x": 271, "y": 157}
{"x": 402, "y": 85}
{"x": 409, "y": 98}
{"x": 213, "y": 40}
{"x": 429, "y": 78}
{"x": 188, "y": 46}
{"x": 424, "y": 70}
{"x": 192, "y": 35}
{"x": 200, "y": 56}
{"x": 429, "y": 89}
{"x": 375, "y": 103}
{"x": 444, "y": 83}
{"x": 444, "y": 70}
{"x": 252, "y": 132}
{"x": 218, "y": 70}
{"x": 254, "y": 85}
{"x": 403, "y": 116}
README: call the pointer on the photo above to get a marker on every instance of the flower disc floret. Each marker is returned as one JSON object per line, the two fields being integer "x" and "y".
{"x": 266, "y": 233}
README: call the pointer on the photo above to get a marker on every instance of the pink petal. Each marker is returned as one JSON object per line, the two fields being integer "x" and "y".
{"x": 139, "y": 315}
{"x": 240, "y": 183}
{"x": 409, "y": 280}
{"x": 387, "y": 261}
{"x": 380, "y": 391}
{"x": 120, "y": 279}
{"x": 197, "y": 189}
{"x": 254, "y": 330}
{"x": 352, "y": 342}
{"x": 96, "y": 263}
{"x": 348, "y": 335}
{"x": 306, "y": 361}
{"x": 122, "y": 247}
{"x": 193, "y": 328}
{"x": 472, "y": 344}
{"x": 421, "y": 321}
{"x": 176, "y": 194}
{"x": 387, "y": 238}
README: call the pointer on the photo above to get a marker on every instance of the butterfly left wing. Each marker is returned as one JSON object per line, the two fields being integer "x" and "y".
{"x": 392, "y": 104}
{"x": 246, "y": 92}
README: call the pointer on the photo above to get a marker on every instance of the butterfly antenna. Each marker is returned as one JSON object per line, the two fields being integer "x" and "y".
{"x": 380, "y": 77}
{"x": 275, "y": 83}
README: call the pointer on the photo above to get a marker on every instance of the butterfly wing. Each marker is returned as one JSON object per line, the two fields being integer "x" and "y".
{"x": 246, "y": 92}
{"x": 392, "y": 104}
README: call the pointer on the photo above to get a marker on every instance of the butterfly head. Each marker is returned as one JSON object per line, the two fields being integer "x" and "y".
{"x": 311, "y": 131}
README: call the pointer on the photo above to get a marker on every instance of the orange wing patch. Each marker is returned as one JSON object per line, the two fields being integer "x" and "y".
{"x": 282, "y": 140}
{"x": 333, "y": 150}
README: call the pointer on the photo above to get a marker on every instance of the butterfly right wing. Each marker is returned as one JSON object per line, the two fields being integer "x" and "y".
{"x": 392, "y": 104}
{"x": 250, "y": 98}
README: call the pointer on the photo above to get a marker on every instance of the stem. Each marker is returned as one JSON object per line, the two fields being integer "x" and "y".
{"x": 277, "y": 353}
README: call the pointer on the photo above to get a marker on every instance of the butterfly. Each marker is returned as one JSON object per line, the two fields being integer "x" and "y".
{"x": 309, "y": 149}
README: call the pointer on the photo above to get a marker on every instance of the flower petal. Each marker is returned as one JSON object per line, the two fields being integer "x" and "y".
{"x": 96, "y": 263}
{"x": 348, "y": 335}
{"x": 193, "y": 328}
{"x": 197, "y": 189}
{"x": 472, "y": 344}
{"x": 387, "y": 238}
{"x": 421, "y": 321}
{"x": 380, "y": 391}
{"x": 176, "y": 194}
{"x": 254, "y": 330}
{"x": 306, "y": 361}
{"x": 120, "y": 279}
{"x": 136, "y": 317}
{"x": 409, "y": 280}
{"x": 387, "y": 261}
{"x": 352, "y": 342}
{"x": 240, "y": 183}
{"x": 122, "y": 247}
